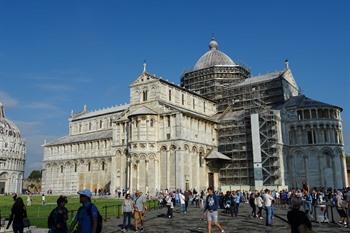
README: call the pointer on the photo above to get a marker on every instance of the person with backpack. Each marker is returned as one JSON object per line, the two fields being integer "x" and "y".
{"x": 88, "y": 218}
{"x": 18, "y": 215}
{"x": 211, "y": 208}
{"x": 57, "y": 222}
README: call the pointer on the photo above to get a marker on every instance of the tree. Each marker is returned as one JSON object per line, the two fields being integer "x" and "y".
{"x": 35, "y": 175}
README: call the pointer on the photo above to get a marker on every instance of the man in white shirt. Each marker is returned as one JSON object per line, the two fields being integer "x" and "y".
{"x": 182, "y": 202}
{"x": 268, "y": 207}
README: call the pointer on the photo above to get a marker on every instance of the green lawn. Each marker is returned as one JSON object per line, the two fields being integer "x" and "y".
{"x": 38, "y": 214}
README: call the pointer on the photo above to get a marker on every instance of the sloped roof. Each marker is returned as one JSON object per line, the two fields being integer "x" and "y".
{"x": 301, "y": 101}
{"x": 105, "y": 134}
{"x": 217, "y": 155}
{"x": 260, "y": 78}
{"x": 143, "y": 110}
{"x": 100, "y": 112}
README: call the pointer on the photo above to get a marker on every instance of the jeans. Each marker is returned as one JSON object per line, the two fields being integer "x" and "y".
{"x": 269, "y": 213}
{"x": 186, "y": 206}
{"x": 170, "y": 212}
{"x": 183, "y": 208}
{"x": 235, "y": 208}
{"x": 126, "y": 220}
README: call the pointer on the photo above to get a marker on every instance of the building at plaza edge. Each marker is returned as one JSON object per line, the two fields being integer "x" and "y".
{"x": 220, "y": 127}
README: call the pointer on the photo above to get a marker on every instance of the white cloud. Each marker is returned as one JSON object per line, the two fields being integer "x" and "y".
{"x": 55, "y": 87}
{"x": 41, "y": 105}
{"x": 8, "y": 100}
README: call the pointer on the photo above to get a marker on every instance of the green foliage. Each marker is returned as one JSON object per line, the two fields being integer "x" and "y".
{"x": 35, "y": 175}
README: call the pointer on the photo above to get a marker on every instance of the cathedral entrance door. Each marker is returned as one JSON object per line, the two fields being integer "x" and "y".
{"x": 211, "y": 179}
{"x": 187, "y": 186}
{"x": 2, "y": 187}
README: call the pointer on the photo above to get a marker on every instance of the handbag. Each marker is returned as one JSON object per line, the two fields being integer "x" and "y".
{"x": 26, "y": 222}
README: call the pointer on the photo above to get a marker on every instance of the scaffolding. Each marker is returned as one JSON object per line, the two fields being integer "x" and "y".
{"x": 235, "y": 140}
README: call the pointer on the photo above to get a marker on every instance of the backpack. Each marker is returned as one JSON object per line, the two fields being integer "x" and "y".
{"x": 99, "y": 218}
{"x": 51, "y": 219}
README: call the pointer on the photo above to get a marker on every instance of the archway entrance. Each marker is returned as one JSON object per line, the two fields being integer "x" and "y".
{"x": 3, "y": 180}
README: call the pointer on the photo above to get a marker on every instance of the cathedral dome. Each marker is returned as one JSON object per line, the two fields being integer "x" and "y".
{"x": 213, "y": 57}
{"x": 7, "y": 127}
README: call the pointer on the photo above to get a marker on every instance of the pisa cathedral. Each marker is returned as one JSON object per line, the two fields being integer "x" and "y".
{"x": 220, "y": 127}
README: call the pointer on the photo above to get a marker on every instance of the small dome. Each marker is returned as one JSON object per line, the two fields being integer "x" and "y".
{"x": 213, "y": 57}
{"x": 7, "y": 127}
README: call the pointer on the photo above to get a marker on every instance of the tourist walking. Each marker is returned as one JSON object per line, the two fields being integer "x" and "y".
{"x": 170, "y": 205}
{"x": 139, "y": 211}
{"x": 57, "y": 221}
{"x": 187, "y": 199}
{"x": 236, "y": 201}
{"x": 18, "y": 215}
{"x": 342, "y": 206}
{"x": 211, "y": 209}
{"x": 298, "y": 220}
{"x": 259, "y": 203}
{"x": 128, "y": 205}
{"x": 43, "y": 199}
{"x": 268, "y": 207}
{"x": 252, "y": 204}
{"x": 88, "y": 219}
{"x": 182, "y": 203}
{"x": 307, "y": 205}
{"x": 29, "y": 199}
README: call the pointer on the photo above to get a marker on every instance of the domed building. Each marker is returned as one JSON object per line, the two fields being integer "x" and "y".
{"x": 313, "y": 138}
{"x": 213, "y": 71}
{"x": 12, "y": 156}
{"x": 222, "y": 128}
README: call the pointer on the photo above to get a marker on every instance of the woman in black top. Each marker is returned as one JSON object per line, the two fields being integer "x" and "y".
{"x": 18, "y": 213}
{"x": 297, "y": 219}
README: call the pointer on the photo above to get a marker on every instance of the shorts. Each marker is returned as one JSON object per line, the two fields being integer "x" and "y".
{"x": 212, "y": 216}
{"x": 139, "y": 215}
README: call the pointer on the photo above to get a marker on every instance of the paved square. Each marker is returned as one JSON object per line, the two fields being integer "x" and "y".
{"x": 192, "y": 222}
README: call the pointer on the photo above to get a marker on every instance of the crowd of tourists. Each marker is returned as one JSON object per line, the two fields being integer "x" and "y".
{"x": 302, "y": 205}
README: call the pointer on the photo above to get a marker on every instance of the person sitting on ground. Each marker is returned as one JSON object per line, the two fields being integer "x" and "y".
{"x": 57, "y": 222}
{"x": 297, "y": 219}
{"x": 18, "y": 214}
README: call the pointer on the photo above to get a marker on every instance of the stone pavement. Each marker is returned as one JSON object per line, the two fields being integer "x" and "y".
{"x": 192, "y": 222}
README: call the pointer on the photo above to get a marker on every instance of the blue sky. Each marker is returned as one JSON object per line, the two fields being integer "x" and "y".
{"x": 59, "y": 55}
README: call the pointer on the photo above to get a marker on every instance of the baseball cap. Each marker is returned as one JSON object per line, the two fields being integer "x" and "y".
{"x": 85, "y": 192}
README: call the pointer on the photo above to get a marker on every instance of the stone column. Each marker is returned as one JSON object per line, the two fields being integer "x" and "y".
{"x": 157, "y": 175}
{"x": 180, "y": 176}
{"x": 113, "y": 174}
{"x": 306, "y": 165}
{"x": 320, "y": 168}
{"x": 167, "y": 169}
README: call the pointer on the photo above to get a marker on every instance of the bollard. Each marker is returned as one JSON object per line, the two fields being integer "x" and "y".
{"x": 332, "y": 214}
{"x": 118, "y": 211}
{"x": 105, "y": 207}
{"x": 315, "y": 216}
